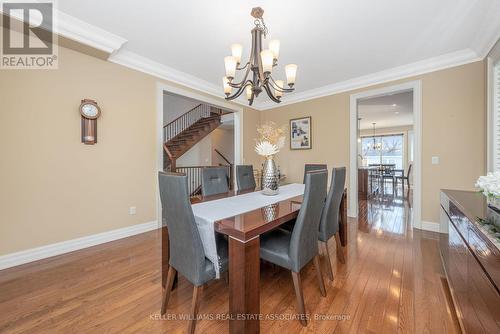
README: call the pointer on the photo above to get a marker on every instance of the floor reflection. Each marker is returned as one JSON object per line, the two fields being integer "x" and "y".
{"x": 386, "y": 213}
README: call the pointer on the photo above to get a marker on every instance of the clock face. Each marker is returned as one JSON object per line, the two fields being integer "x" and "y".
{"x": 89, "y": 110}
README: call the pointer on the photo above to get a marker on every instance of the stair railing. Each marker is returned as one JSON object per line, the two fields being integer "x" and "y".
{"x": 231, "y": 166}
{"x": 187, "y": 119}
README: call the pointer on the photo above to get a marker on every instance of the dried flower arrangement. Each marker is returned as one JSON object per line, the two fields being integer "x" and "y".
{"x": 271, "y": 139}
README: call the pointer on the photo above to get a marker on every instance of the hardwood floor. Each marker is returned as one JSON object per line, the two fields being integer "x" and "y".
{"x": 391, "y": 282}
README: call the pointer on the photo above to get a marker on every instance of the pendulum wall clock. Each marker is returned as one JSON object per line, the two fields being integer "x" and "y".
{"x": 90, "y": 111}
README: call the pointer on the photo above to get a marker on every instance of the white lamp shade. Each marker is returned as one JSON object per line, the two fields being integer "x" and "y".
{"x": 227, "y": 88}
{"x": 277, "y": 92}
{"x": 237, "y": 50}
{"x": 291, "y": 73}
{"x": 267, "y": 60}
{"x": 230, "y": 64}
{"x": 274, "y": 46}
{"x": 249, "y": 92}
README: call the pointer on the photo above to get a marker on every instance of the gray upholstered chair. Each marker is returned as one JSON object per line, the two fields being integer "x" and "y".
{"x": 245, "y": 179}
{"x": 293, "y": 250}
{"x": 311, "y": 167}
{"x": 187, "y": 256}
{"x": 329, "y": 224}
{"x": 214, "y": 181}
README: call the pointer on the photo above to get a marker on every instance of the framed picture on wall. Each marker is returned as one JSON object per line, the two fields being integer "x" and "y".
{"x": 300, "y": 133}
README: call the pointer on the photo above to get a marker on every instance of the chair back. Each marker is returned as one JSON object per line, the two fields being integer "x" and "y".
{"x": 387, "y": 169}
{"x": 329, "y": 224}
{"x": 304, "y": 240}
{"x": 186, "y": 249}
{"x": 409, "y": 170}
{"x": 311, "y": 167}
{"x": 214, "y": 181}
{"x": 245, "y": 179}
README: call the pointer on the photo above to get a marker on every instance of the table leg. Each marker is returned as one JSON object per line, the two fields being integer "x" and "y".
{"x": 244, "y": 292}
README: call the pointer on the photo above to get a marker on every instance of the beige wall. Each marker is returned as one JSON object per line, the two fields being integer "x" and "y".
{"x": 223, "y": 141}
{"x": 251, "y": 120}
{"x": 54, "y": 188}
{"x": 453, "y": 116}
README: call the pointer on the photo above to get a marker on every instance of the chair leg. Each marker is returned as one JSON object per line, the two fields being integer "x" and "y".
{"x": 168, "y": 288}
{"x": 340, "y": 251}
{"x": 195, "y": 305}
{"x": 297, "y": 283}
{"x": 319, "y": 274}
{"x": 328, "y": 262}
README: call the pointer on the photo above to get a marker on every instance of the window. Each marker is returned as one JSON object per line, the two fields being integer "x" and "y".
{"x": 495, "y": 109}
{"x": 387, "y": 149}
{"x": 411, "y": 146}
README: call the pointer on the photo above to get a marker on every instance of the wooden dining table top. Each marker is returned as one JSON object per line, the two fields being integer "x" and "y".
{"x": 250, "y": 224}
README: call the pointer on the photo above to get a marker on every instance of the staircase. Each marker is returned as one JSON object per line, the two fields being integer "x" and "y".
{"x": 187, "y": 130}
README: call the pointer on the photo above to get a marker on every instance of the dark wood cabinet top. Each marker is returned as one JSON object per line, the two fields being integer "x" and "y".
{"x": 464, "y": 208}
{"x": 473, "y": 204}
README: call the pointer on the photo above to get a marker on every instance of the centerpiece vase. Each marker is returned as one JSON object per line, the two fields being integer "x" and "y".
{"x": 270, "y": 179}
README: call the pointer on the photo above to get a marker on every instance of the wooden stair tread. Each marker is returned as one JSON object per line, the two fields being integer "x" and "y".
{"x": 186, "y": 139}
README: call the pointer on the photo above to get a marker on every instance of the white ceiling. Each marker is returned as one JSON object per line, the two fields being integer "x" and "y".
{"x": 387, "y": 111}
{"x": 337, "y": 44}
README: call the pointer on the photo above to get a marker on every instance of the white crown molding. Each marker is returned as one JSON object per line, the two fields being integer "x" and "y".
{"x": 145, "y": 65}
{"x": 425, "y": 66}
{"x": 80, "y": 31}
{"x": 85, "y": 33}
{"x": 38, "y": 253}
{"x": 485, "y": 44}
{"x": 488, "y": 34}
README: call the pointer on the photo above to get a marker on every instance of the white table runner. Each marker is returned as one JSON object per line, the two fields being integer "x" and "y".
{"x": 206, "y": 213}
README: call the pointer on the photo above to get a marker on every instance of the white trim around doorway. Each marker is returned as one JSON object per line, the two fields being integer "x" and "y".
{"x": 416, "y": 88}
{"x": 162, "y": 87}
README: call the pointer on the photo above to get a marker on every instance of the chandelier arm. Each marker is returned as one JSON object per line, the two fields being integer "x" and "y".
{"x": 242, "y": 68}
{"x": 239, "y": 91}
{"x": 242, "y": 82}
{"x": 278, "y": 88}
{"x": 270, "y": 94}
{"x": 248, "y": 67}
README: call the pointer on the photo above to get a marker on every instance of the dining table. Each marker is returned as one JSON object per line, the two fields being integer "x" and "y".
{"x": 243, "y": 232}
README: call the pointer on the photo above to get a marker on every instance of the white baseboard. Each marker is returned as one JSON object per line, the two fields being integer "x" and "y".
{"x": 38, "y": 253}
{"x": 430, "y": 226}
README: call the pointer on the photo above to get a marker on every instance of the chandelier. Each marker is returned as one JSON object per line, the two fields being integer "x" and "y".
{"x": 376, "y": 146}
{"x": 260, "y": 63}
